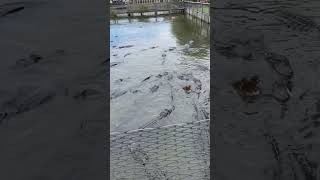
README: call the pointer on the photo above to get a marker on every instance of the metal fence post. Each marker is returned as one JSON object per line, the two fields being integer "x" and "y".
{"x": 202, "y": 11}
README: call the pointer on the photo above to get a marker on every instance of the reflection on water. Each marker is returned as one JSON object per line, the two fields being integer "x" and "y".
{"x": 194, "y": 30}
{"x": 159, "y": 71}
{"x": 184, "y": 29}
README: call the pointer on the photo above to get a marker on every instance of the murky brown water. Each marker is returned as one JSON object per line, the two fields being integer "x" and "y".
{"x": 160, "y": 70}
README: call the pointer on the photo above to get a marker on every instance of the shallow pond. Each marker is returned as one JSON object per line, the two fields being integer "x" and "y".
{"x": 160, "y": 69}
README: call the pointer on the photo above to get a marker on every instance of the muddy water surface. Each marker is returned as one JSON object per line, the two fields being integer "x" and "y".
{"x": 160, "y": 69}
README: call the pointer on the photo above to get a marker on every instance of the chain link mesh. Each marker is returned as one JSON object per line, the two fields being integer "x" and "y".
{"x": 175, "y": 152}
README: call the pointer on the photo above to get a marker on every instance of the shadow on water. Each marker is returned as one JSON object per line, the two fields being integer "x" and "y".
{"x": 143, "y": 19}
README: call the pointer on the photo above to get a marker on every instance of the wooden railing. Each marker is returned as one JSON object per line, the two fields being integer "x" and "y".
{"x": 147, "y": 7}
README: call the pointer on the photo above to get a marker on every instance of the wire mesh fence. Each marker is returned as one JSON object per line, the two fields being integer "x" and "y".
{"x": 175, "y": 152}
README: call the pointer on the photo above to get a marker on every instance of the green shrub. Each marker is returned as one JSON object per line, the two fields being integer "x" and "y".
{"x": 142, "y": 9}
{"x": 114, "y": 15}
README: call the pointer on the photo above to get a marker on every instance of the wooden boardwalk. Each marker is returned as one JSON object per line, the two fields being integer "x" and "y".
{"x": 155, "y": 7}
{"x": 148, "y": 7}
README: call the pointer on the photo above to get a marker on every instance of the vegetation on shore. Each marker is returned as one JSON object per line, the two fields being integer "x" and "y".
{"x": 142, "y": 9}
{"x": 114, "y": 15}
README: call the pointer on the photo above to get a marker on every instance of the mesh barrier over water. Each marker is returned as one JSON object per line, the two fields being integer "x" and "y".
{"x": 175, "y": 152}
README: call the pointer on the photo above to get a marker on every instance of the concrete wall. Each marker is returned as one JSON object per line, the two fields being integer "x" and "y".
{"x": 197, "y": 9}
